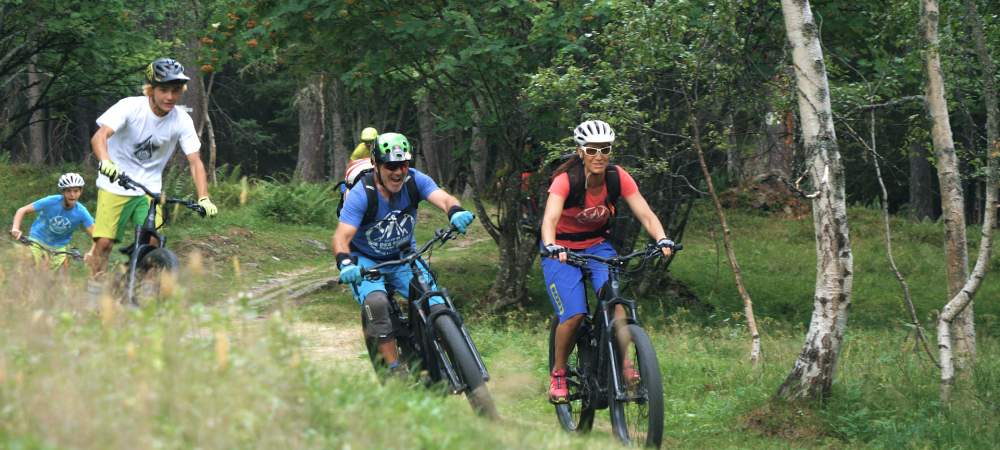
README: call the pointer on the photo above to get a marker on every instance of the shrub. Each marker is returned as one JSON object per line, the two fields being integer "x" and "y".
{"x": 297, "y": 203}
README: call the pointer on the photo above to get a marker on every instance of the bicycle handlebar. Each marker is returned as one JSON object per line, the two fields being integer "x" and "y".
{"x": 128, "y": 183}
{"x": 72, "y": 252}
{"x": 441, "y": 236}
{"x": 579, "y": 259}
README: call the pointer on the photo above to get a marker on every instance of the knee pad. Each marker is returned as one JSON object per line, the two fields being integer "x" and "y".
{"x": 376, "y": 311}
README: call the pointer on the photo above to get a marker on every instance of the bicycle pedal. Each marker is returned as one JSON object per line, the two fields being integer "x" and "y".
{"x": 559, "y": 400}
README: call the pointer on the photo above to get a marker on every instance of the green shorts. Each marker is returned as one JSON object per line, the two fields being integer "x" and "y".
{"x": 114, "y": 212}
{"x": 41, "y": 256}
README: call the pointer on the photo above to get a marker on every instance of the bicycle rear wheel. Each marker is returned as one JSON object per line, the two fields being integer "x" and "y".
{"x": 462, "y": 359}
{"x": 637, "y": 417}
{"x": 578, "y": 414}
{"x": 155, "y": 276}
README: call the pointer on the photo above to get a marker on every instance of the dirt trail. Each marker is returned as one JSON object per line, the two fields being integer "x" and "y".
{"x": 324, "y": 343}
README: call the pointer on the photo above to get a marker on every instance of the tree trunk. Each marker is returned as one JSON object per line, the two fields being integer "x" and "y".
{"x": 82, "y": 129}
{"x": 427, "y": 143}
{"x": 727, "y": 241}
{"x": 949, "y": 178}
{"x": 309, "y": 101}
{"x": 36, "y": 126}
{"x": 811, "y": 377}
{"x": 196, "y": 95}
{"x": 479, "y": 157}
{"x": 339, "y": 154}
{"x": 962, "y": 300}
{"x": 206, "y": 120}
{"x": 779, "y": 148}
{"x": 921, "y": 186}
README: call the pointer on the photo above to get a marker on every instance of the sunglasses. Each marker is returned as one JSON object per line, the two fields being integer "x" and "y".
{"x": 593, "y": 151}
{"x": 396, "y": 165}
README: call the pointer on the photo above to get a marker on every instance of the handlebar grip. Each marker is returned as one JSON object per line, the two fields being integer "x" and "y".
{"x": 678, "y": 247}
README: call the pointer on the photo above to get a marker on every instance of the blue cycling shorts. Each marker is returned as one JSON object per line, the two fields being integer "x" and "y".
{"x": 564, "y": 282}
{"x": 398, "y": 277}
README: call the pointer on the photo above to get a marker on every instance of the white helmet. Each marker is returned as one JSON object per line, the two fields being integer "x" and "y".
{"x": 71, "y": 179}
{"x": 356, "y": 169}
{"x": 593, "y": 131}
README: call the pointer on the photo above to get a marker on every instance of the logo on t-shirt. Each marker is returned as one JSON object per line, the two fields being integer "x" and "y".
{"x": 596, "y": 214}
{"x": 59, "y": 225}
{"x": 385, "y": 235}
{"x": 144, "y": 150}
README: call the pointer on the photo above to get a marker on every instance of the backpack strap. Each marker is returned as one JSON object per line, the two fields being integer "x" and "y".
{"x": 577, "y": 193}
{"x": 612, "y": 177}
{"x": 372, "y": 193}
{"x": 368, "y": 181}
{"x": 414, "y": 192}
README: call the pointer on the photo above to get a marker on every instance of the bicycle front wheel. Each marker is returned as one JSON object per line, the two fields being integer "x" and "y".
{"x": 637, "y": 415}
{"x": 578, "y": 414}
{"x": 155, "y": 276}
{"x": 462, "y": 359}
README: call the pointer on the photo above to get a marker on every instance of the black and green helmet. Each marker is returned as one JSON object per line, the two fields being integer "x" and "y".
{"x": 165, "y": 71}
{"x": 391, "y": 147}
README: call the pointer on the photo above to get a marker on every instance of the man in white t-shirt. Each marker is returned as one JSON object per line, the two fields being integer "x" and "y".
{"x": 136, "y": 137}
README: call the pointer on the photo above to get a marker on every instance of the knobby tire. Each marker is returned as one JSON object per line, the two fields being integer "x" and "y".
{"x": 638, "y": 419}
{"x": 578, "y": 414}
{"x": 462, "y": 359}
{"x": 150, "y": 273}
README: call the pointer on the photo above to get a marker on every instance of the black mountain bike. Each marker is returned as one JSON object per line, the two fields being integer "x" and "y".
{"x": 594, "y": 370}
{"x": 73, "y": 253}
{"x": 148, "y": 263}
{"x": 432, "y": 340}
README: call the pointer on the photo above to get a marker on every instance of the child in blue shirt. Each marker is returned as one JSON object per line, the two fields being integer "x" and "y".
{"x": 58, "y": 217}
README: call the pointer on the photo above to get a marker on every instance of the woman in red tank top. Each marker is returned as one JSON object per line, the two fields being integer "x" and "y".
{"x": 583, "y": 227}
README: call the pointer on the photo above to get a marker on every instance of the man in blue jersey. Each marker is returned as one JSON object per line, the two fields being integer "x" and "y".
{"x": 58, "y": 217}
{"x": 380, "y": 213}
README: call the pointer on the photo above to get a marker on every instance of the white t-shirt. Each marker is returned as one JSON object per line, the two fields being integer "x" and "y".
{"x": 143, "y": 142}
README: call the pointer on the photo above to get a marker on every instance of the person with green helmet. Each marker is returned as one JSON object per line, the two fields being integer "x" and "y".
{"x": 363, "y": 150}
{"x": 379, "y": 214}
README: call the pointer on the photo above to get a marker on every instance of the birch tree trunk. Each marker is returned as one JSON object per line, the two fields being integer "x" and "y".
{"x": 811, "y": 377}
{"x": 952, "y": 201}
{"x": 963, "y": 299}
{"x": 206, "y": 120}
{"x": 339, "y": 153}
{"x": 36, "y": 125}
{"x": 309, "y": 166}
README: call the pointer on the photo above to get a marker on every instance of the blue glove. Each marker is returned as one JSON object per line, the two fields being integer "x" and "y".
{"x": 460, "y": 218}
{"x": 350, "y": 273}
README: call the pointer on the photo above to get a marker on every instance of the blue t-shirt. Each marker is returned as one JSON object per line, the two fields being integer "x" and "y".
{"x": 55, "y": 224}
{"x": 392, "y": 226}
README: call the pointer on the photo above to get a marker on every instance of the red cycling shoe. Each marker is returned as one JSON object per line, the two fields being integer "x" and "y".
{"x": 558, "y": 391}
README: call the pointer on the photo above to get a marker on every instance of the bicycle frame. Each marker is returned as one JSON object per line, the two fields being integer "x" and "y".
{"x": 601, "y": 327}
{"x": 595, "y": 331}
{"x": 418, "y": 323}
{"x": 144, "y": 233}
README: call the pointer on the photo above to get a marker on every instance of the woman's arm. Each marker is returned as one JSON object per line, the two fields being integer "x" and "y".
{"x": 637, "y": 203}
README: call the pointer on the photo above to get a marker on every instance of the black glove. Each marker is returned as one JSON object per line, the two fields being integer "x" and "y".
{"x": 554, "y": 250}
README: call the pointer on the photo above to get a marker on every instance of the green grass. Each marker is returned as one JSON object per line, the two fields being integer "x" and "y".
{"x": 161, "y": 377}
